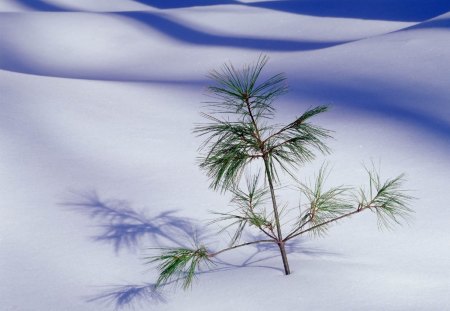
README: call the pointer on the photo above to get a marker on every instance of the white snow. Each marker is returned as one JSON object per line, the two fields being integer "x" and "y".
{"x": 98, "y": 100}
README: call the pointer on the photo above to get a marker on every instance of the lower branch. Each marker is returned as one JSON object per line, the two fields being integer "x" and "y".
{"x": 240, "y": 245}
{"x": 298, "y": 229}
{"x": 295, "y": 233}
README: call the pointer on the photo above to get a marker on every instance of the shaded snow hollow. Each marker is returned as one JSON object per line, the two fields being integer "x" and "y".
{"x": 98, "y": 162}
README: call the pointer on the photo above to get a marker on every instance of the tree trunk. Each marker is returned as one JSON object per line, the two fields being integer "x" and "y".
{"x": 280, "y": 241}
{"x": 287, "y": 270}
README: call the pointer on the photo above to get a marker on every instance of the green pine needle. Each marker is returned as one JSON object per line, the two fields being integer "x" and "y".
{"x": 324, "y": 204}
{"x": 250, "y": 209}
{"x": 233, "y": 86}
{"x": 242, "y": 136}
{"x": 388, "y": 199}
{"x": 179, "y": 264}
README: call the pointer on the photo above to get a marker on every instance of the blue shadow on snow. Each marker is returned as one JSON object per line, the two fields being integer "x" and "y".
{"x": 167, "y": 4}
{"x": 437, "y": 23}
{"x": 384, "y": 99}
{"x": 388, "y": 10}
{"x": 125, "y": 228}
{"x": 40, "y": 5}
{"x": 189, "y": 35}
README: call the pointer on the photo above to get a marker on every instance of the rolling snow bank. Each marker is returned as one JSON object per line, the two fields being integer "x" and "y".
{"x": 98, "y": 162}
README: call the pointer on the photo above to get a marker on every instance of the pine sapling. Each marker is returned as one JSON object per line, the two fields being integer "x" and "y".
{"x": 238, "y": 135}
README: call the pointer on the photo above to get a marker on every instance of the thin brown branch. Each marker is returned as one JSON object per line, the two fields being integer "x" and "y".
{"x": 250, "y": 113}
{"x": 281, "y": 144}
{"x": 267, "y": 233}
{"x": 272, "y": 236}
{"x": 298, "y": 229}
{"x": 359, "y": 208}
{"x": 283, "y": 129}
{"x": 240, "y": 245}
{"x": 255, "y": 156}
{"x": 325, "y": 223}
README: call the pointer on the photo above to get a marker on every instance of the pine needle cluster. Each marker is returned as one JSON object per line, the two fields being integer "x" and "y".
{"x": 179, "y": 265}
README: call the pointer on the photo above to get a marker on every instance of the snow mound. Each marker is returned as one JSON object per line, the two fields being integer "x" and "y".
{"x": 98, "y": 162}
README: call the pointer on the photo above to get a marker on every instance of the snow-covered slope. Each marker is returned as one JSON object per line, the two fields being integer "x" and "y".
{"x": 97, "y": 159}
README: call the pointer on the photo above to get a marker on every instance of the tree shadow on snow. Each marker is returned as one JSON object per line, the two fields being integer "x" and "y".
{"x": 267, "y": 251}
{"x": 128, "y": 230}
{"x": 124, "y": 228}
{"x": 129, "y": 296}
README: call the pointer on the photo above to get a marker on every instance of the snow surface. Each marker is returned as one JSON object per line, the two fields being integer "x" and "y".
{"x": 98, "y": 162}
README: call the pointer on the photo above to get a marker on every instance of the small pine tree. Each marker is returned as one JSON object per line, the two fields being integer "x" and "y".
{"x": 238, "y": 134}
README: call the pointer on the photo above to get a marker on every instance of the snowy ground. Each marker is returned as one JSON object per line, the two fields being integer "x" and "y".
{"x": 97, "y": 159}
